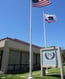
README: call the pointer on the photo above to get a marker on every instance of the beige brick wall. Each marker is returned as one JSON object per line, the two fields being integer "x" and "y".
{"x": 2, "y": 43}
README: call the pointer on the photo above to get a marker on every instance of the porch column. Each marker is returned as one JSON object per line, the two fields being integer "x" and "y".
{"x": 4, "y": 64}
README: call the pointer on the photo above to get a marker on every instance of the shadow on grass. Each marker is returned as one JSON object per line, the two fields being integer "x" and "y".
{"x": 54, "y": 75}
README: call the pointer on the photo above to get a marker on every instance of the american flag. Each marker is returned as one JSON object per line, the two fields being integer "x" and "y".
{"x": 40, "y": 3}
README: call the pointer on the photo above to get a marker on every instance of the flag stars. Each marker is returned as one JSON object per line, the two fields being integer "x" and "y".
{"x": 34, "y": 1}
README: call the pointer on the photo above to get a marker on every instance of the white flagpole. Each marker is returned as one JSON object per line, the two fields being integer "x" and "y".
{"x": 44, "y": 29}
{"x": 30, "y": 52}
{"x": 45, "y": 35}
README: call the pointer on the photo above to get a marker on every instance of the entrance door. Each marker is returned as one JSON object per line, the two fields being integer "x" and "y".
{"x": 1, "y": 53}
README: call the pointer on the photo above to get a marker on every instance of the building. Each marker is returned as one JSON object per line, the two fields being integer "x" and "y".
{"x": 14, "y": 56}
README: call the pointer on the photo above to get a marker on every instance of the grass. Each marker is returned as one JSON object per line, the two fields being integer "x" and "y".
{"x": 53, "y": 74}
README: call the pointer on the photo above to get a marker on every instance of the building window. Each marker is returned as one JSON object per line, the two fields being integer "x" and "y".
{"x": 1, "y": 54}
{"x": 18, "y": 61}
{"x": 36, "y": 61}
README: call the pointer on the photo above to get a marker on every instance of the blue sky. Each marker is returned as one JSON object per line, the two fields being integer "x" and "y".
{"x": 15, "y": 22}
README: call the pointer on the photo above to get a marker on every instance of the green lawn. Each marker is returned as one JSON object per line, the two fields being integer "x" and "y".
{"x": 53, "y": 74}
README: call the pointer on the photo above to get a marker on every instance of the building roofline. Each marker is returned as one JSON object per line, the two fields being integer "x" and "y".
{"x": 14, "y": 39}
